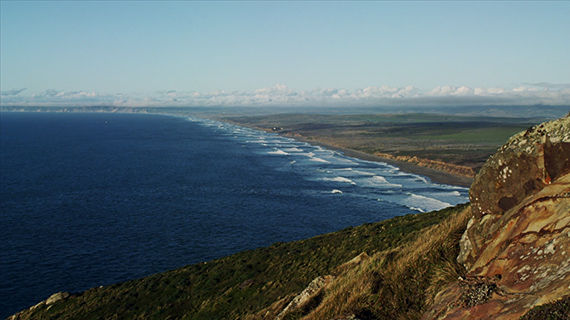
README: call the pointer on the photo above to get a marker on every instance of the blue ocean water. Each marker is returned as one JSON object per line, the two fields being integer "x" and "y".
{"x": 94, "y": 199}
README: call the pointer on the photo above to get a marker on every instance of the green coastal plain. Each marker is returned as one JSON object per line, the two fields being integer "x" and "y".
{"x": 460, "y": 140}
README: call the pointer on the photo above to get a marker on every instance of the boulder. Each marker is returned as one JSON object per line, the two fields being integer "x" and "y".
{"x": 525, "y": 165}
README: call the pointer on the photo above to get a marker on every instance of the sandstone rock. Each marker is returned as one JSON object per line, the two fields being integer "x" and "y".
{"x": 526, "y": 164}
{"x": 516, "y": 248}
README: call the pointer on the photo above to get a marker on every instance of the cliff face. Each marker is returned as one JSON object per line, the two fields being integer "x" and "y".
{"x": 516, "y": 248}
{"x": 432, "y": 164}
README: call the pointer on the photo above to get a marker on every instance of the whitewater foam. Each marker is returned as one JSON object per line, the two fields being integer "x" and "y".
{"x": 378, "y": 181}
{"x": 344, "y": 160}
{"x": 317, "y": 159}
{"x": 352, "y": 172}
{"x": 340, "y": 179}
{"x": 424, "y": 202}
{"x": 278, "y": 152}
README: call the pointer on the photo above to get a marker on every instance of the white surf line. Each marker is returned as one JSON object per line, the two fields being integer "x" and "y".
{"x": 393, "y": 169}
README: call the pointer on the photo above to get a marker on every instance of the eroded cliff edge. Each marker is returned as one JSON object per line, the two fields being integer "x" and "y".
{"x": 516, "y": 248}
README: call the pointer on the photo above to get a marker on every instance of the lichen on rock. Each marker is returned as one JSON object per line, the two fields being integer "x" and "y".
{"x": 525, "y": 165}
{"x": 517, "y": 243}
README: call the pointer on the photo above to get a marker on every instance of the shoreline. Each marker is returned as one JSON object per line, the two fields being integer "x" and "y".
{"x": 437, "y": 176}
{"x": 434, "y": 175}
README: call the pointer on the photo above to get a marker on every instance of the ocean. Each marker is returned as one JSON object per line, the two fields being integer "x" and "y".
{"x": 98, "y": 198}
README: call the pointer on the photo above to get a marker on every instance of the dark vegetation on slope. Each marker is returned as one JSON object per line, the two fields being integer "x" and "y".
{"x": 243, "y": 283}
{"x": 410, "y": 259}
{"x": 559, "y": 310}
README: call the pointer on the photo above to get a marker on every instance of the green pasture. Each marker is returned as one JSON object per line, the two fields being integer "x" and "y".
{"x": 496, "y": 135}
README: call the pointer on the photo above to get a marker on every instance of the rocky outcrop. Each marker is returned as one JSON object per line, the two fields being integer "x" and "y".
{"x": 57, "y": 297}
{"x": 314, "y": 291}
{"x": 516, "y": 248}
{"x": 310, "y": 293}
{"x": 529, "y": 162}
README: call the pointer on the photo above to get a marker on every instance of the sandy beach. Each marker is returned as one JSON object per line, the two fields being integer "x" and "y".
{"x": 433, "y": 174}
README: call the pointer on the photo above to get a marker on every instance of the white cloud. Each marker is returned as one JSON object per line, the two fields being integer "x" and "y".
{"x": 282, "y": 95}
{"x": 453, "y": 91}
{"x": 462, "y": 91}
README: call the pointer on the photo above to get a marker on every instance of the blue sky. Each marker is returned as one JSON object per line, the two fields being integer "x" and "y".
{"x": 284, "y": 52}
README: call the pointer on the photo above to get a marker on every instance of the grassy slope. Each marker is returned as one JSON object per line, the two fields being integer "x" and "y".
{"x": 241, "y": 284}
{"x": 411, "y": 259}
{"x": 401, "y": 283}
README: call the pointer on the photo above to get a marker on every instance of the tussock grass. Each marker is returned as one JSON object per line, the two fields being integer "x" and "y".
{"x": 399, "y": 283}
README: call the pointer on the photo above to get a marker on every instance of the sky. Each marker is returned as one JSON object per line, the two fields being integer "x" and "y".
{"x": 198, "y": 53}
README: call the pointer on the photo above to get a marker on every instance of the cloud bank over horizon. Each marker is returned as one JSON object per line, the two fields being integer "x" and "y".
{"x": 281, "y": 95}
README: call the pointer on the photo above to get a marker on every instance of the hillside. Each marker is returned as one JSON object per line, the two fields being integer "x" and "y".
{"x": 500, "y": 257}
{"x": 243, "y": 283}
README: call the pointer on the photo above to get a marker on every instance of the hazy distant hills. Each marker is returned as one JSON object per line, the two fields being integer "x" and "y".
{"x": 543, "y": 111}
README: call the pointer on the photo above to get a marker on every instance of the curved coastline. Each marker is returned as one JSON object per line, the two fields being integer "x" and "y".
{"x": 438, "y": 176}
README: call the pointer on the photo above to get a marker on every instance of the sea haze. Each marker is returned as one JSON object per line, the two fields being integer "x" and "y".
{"x": 93, "y": 199}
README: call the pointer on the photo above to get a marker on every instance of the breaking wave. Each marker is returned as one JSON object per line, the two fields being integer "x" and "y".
{"x": 278, "y": 152}
{"x": 378, "y": 181}
{"x": 415, "y": 201}
{"x": 317, "y": 159}
{"x": 340, "y": 179}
